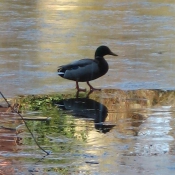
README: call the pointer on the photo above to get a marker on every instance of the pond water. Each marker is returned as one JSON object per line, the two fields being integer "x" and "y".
{"x": 113, "y": 131}
{"x": 38, "y": 36}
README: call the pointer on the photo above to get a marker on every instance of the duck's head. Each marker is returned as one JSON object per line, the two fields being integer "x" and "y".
{"x": 102, "y": 51}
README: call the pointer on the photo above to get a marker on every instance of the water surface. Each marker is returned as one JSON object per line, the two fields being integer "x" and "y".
{"x": 112, "y": 131}
{"x": 38, "y": 36}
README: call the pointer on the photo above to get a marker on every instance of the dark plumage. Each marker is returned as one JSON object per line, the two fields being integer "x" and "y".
{"x": 86, "y": 70}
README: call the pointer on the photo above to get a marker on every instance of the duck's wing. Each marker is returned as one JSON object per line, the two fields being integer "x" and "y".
{"x": 81, "y": 70}
{"x": 75, "y": 65}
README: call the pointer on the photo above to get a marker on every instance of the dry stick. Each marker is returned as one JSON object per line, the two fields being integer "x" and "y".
{"x": 24, "y": 123}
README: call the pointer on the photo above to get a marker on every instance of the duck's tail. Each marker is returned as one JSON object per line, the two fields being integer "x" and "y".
{"x": 59, "y": 68}
{"x": 60, "y": 72}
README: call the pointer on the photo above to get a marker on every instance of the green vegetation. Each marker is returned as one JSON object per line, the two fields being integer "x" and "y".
{"x": 59, "y": 133}
{"x": 39, "y": 102}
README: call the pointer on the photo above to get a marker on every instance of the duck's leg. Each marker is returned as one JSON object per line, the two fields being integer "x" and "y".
{"x": 78, "y": 88}
{"x": 92, "y": 88}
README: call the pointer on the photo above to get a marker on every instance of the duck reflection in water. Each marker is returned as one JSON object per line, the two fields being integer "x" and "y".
{"x": 87, "y": 109}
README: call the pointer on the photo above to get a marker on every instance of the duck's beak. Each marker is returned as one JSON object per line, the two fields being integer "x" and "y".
{"x": 113, "y": 54}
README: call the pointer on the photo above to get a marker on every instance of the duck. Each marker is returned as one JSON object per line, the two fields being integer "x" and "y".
{"x": 87, "y": 69}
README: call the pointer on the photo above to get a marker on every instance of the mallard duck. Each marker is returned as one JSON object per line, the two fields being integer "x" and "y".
{"x": 86, "y": 70}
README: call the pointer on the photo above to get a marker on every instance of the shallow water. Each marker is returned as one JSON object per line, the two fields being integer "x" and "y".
{"x": 38, "y": 36}
{"x": 112, "y": 132}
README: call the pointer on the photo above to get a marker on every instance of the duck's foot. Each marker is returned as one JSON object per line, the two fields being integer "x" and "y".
{"x": 78, "y": 88}
{"x": 92, "y": 88}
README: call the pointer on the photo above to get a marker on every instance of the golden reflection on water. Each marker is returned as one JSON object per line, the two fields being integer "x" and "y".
{"x": 114, "y": 129}
{"x": 143, "y": 122}
{"x": 38, "y": 36}
{"x": 49, "y": 34}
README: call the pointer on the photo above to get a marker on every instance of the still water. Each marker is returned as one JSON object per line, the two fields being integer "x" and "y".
{"x": 111, "y": 132}
{"x": 126, "y": 131}
{"x": 38, "y": 36}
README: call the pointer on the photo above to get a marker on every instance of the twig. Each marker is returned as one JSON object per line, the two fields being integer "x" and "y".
{"x": 24, "y": 123}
